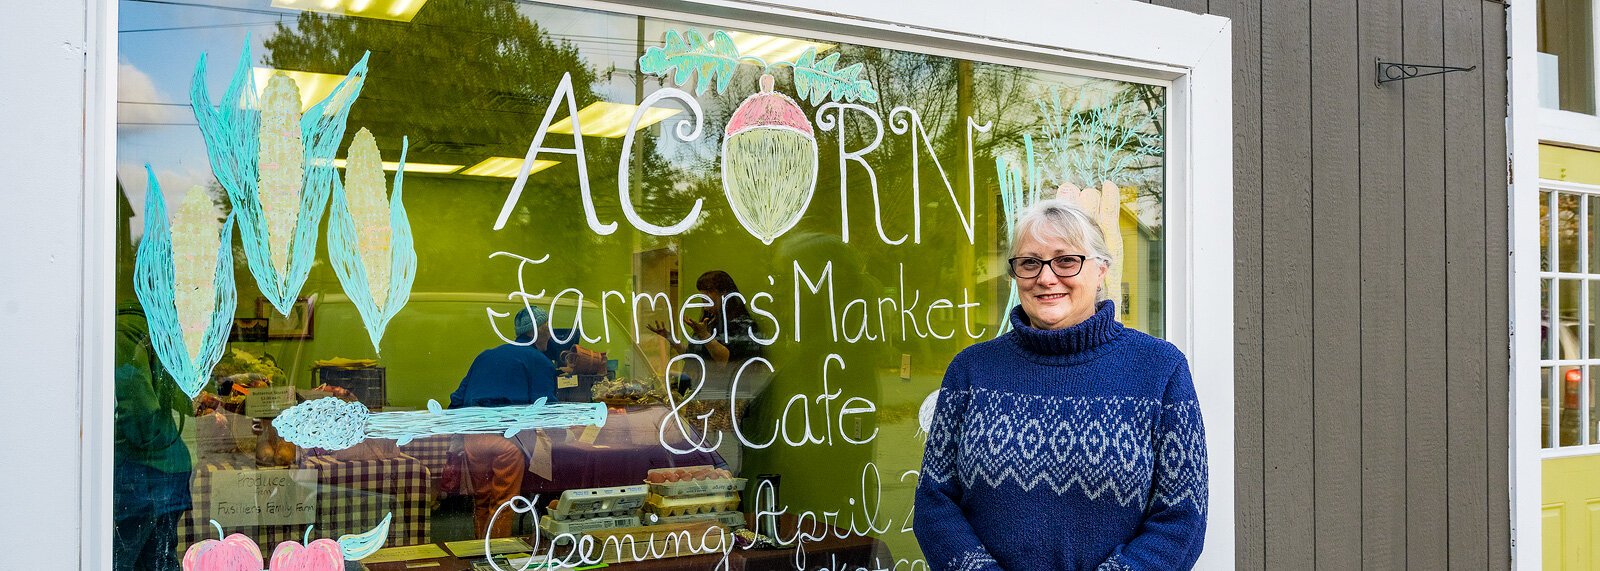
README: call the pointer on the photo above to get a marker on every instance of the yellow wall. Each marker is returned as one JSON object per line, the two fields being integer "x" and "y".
{"x": 1573, "y": 165}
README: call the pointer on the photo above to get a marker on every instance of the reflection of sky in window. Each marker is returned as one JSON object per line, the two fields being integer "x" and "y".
{"x": 158, "y": 45}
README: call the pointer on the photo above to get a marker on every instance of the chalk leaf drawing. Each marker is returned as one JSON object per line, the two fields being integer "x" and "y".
{"x": 816, "y": 79}
{"x": 369, "y": 236}
{"x": 335, "y": 425}
{"x": 277, "y": 166}
{"x": 769, "y": 152}
{"x": 238, "y": 552}
{"x": 183, "y": 277}
{"x": 692, "y": 56}
{"x": 769, "y": 163}
{"x": 925, "y": 412}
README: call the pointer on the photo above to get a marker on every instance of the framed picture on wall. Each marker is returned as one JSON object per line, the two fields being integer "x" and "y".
{"x": 249, "y": 329}
{"x": 296, "y": 325}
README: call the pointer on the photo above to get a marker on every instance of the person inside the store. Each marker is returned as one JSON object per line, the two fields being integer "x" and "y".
{"x": 151, "y": 467}
{"x": 517, "y": 373}
{"x": 1085, "y": 443}
{"x": 730, "y": 343}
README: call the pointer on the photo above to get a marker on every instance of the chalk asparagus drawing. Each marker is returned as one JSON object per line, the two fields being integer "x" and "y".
{"x": 369, "y": 236}
{"x": 238, "y": 552}
{"x": 335, "y": 425}
{"x": 769, "y": 150}
{"x": 277, "y": 166}
{"x": 183, "y": 277}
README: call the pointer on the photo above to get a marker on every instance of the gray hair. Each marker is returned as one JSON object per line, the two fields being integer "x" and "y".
{"x": 1057, "y": 219}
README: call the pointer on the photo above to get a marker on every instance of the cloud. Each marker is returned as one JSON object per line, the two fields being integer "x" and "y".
{"x": 137, "y": 96}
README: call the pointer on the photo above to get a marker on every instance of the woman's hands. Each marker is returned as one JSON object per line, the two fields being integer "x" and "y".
{"x": 698, "y": 329}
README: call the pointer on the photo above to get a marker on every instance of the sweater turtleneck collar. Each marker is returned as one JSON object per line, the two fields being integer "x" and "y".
{"x": 1093, "y": 332}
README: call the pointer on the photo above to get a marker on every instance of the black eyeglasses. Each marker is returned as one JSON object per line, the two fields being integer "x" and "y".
{"x": 1028, "y": 267}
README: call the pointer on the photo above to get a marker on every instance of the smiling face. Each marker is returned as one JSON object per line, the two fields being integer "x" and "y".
{"x": 1053, "y": 302}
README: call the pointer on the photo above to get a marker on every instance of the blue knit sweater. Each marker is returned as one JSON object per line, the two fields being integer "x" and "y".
{"x": 1080, "y": 448}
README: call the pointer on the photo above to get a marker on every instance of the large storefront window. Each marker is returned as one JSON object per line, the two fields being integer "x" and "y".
{"x": 749, "y": 256}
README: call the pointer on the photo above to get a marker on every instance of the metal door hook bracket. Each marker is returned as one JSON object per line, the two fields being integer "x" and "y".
{"x": 1392, "y": 71}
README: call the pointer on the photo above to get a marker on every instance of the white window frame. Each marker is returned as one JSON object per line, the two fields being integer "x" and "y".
{"x": 1190, "y": 52}
{"x": 1571, "y": 127}
{"x": 1587, "y": 194}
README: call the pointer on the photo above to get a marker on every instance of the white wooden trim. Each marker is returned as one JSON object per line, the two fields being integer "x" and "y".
{"x": 99, "y": 287}
{"x": 1569, "y": 129}
{"x": 1523, "y": 141}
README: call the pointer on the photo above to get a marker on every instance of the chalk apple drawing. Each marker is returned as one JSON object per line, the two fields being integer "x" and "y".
{"x": 320, "y": 555}
{"x": 232, "y": 553}
{"x": 769, "y": 163}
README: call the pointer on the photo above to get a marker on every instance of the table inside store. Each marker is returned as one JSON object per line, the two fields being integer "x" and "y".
{"x": 830, "y": 552}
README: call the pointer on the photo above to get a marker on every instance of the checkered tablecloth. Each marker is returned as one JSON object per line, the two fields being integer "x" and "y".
{"x": 352, "y": 497}
{"x": 431, "y": 451}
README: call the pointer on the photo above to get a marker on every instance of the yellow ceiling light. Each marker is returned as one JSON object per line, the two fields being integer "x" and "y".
{"x": 313, "y": 86}
{"x": 774, "y": 48}
{"x": 505, "y": 167}
{"x": 428, "y": 168}
{"x": 400, "y": 10}
{"x": 610, "y": 120}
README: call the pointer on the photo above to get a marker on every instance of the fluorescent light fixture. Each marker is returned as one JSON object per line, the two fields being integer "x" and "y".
{"x": 400, "y": 10}
{"x": 610, "y": 120}
{"x": 773, "y": 48}
{"x": 313, "y": 86}
{"x": 428, "y": 168}
{"x": 505, "y": 167}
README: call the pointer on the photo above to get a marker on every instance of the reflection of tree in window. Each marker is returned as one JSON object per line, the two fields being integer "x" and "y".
{"x": 466, "y": 80}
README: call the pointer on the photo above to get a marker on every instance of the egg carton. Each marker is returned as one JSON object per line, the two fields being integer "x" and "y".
{"x": 598, "y": 502}
{"x": 552, "y": 527}
{"x": 698, "y": 487}
{"x": 724, "y": 518}
{"x": 690, "y": 505}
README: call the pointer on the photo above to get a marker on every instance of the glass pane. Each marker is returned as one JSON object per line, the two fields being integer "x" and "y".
{"x": 1592, "y": 320}
{"x": 1547, "y": 341}
{"x": 1592, "y": 223}
{"x": 1567, "y": 340}
{"x": 1544, "y": 231}
{"x": 1593, "y": 393}
{"x": 1566, "y": 55}
{"x": 698, "y": 338}
{"x": 1567, "y": 232}
{"x": 1570, "y": 383}
{"x": 1544, "y": 406}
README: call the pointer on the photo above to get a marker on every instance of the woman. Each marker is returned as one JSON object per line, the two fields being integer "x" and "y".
{"x": 1070, "y": 442}
{"x": 723, "y": 343}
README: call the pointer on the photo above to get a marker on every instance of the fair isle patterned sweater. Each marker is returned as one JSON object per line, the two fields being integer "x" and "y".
{"x": 1080, "y": 448}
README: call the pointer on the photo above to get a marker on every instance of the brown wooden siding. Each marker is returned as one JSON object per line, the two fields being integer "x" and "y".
{"x": 1370, "y": 297}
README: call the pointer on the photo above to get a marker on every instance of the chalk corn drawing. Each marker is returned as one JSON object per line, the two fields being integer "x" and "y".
{"x": 769, "y": 151}
{"x": 335, "y": 425}
{"x": 238, "y": 552}
{"x": 183, "y": 277}
{"x": 277, "y": 166}
{"x": 1093, "y": 152}
{"x": 369, "y": 236}
{"x": 769, "y": 163}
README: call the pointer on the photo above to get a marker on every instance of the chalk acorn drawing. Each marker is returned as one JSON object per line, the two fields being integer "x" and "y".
{"x": 769, "y": 151}
{"x": 769, "y": 163}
